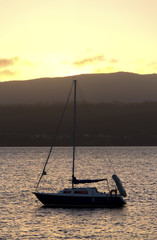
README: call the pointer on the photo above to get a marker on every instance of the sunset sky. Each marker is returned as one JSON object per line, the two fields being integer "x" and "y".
{"x": 49, "y": 38}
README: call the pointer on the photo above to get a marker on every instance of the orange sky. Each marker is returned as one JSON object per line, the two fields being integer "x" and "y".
{"x": 47, "y": 38}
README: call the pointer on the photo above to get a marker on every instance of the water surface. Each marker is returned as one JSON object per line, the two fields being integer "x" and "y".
{"x": 22, "y": 216}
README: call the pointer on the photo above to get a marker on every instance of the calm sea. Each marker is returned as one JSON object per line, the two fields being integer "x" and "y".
{"x": 23, "y": 217}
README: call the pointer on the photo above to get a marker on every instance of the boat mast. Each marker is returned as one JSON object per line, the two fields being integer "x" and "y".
{"x": 74, "y": 132}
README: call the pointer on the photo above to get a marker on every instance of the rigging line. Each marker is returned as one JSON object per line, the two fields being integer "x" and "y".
{"x": 92, "y": 119}
{"x": 54, "y": 139}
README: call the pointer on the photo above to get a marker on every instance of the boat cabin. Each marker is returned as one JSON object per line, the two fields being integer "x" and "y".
{"x": 80, "y": 191}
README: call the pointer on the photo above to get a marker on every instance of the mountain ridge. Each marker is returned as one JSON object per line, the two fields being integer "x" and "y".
{"x": 100, "y": 87}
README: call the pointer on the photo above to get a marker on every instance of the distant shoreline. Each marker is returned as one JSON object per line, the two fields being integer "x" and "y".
{"x": 48, "y": 146}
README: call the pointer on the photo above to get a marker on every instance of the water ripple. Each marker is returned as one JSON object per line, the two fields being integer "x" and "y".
{"x": 23, "y": 217}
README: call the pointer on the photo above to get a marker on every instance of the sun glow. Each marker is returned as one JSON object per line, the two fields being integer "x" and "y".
{"x": 60, "y": 38}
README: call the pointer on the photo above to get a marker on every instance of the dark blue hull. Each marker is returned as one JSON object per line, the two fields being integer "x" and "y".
{"x": 54, "y": 200}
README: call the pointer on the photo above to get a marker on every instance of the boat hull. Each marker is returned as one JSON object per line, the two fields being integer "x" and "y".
{"x": 56, "y": 200}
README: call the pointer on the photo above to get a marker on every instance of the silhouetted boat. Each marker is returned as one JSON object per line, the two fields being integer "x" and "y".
{"x": 79, "y": 196}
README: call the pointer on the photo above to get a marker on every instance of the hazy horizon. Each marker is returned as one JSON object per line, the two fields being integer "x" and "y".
{"x": 122, "y": 87}
{"x": 75, "y": 76}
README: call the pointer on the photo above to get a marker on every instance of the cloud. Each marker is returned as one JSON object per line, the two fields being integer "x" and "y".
{"x": 7, "y": 73}
{"x": 89, "y": 60}
{"x": 114, "y": 60}
{"x": 5, "y": 62}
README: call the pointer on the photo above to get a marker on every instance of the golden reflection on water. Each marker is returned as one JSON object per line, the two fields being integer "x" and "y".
{"x": 22, "y": 217}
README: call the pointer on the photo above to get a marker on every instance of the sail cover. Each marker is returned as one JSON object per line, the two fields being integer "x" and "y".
{"x": 119, "y": 185}
{"x": 78, "y": 181}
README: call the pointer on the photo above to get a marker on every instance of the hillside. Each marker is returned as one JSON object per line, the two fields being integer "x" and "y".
{"x": 110, "y": 124}
{"x": 122, "y": 87}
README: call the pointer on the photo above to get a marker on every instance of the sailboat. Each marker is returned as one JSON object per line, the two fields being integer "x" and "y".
{"x": 81, "y": 196}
